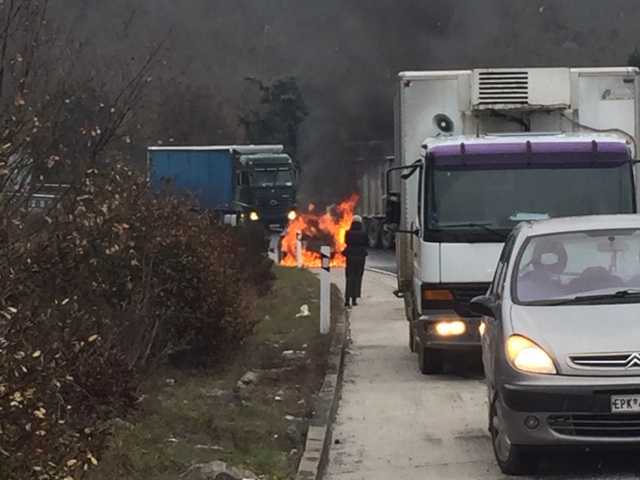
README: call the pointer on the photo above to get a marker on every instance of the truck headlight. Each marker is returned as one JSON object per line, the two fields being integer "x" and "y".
{"x": 449, "y": 328}
{"x": 292, "y": 215}
{"x": 253, "y": 216}
{"x": 528, "y": 357}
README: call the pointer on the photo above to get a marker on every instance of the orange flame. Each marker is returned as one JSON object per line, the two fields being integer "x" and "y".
{"x": 317, "y": 229}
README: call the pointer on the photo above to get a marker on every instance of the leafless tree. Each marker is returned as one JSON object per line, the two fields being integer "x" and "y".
{"x": 62, "y": 110}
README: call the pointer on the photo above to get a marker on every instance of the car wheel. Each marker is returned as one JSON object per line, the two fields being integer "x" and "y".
{"x": 512, "y": 459}
{"x": 430, "y": 361}
{"x": 412, "y": 339}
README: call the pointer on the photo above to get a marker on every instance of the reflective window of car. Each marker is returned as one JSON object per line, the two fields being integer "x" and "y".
{"x": 565, "y": 265}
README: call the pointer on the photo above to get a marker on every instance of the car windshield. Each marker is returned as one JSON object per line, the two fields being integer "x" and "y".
{"x": 500, "y": 198}
{"x": 271, "y": 178}
{"x": 578, "y": 265}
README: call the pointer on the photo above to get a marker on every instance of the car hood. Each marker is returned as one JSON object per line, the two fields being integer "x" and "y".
{"x": 570, "y": 330}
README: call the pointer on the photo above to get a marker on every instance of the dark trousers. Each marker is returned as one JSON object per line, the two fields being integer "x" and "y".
{"x": 354, "y": 272}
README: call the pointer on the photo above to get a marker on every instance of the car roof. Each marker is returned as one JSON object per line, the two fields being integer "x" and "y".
{"x": 579, "y": 223}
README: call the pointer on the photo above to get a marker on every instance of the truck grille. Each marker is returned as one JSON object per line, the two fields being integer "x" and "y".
{"x": 601, "y": 425}
{"x": 617, "y": 361}
{"x": 503, "y": 88}
{"x": 464, "y": 294}
{"x": 274, "y": 211}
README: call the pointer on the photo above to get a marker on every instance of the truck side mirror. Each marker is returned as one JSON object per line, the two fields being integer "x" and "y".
{"x": 392, "y": 210}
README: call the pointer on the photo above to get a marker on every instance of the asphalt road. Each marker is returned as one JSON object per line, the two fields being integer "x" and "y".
{"x": 395, "y": 423}
{"x": 384, "y": 260}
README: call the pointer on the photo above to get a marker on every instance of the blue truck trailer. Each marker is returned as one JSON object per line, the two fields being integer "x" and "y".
{"x": 255, "y": 183}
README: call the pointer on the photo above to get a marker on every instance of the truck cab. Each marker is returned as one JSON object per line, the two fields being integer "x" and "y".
{"x": 267, "y": 188}
{"x": 480, "y": 151}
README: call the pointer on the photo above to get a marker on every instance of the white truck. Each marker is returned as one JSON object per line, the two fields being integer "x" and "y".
{"x": 478, "y": 151}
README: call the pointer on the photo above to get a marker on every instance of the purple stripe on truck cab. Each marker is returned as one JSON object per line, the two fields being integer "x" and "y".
{"x": 510, "y": 154}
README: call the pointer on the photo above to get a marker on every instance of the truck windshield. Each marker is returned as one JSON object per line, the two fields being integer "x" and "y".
{"x": 272, "y": 178}
{"x": 500, "y": 198}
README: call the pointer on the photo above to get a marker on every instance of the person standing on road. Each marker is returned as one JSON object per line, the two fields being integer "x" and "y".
{"x": 356, "y": 254}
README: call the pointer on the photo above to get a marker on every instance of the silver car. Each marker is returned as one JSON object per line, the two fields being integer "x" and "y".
{"x": 561, "y": 338}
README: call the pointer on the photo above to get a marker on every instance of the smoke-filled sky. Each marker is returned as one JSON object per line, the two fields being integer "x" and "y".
{"x": 346, "y": 53}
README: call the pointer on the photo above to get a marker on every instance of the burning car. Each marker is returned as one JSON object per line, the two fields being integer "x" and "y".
{"x": 317, "y": 228}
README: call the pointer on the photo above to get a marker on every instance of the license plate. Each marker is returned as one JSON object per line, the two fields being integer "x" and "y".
{"x": 625, "y": 403}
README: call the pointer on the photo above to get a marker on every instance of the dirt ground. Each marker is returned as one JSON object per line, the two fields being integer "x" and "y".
{"x": 252, "y": 412}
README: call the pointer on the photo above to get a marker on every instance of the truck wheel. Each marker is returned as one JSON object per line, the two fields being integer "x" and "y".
{"x": 430, "y": 361}
{"x": 373, "y": 234}
{"x": 386, "y": 238}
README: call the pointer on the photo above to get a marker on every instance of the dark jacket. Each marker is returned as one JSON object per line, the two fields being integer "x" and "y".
{"x": 357, "y": 242}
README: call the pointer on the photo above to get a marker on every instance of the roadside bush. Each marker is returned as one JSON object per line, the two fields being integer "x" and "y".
{"x": 253, "y": 262}
{"x": 118, "y": 282}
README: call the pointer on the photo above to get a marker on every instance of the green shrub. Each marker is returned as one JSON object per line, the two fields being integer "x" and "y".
{"x": 253, "y": 261}
{"x": 117, "y": 283}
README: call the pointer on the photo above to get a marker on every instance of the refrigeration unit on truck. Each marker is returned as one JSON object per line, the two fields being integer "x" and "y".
{"x": 479, "y": 151}
{"x": 368, "y": 162}
{"x": 255, "y": 183}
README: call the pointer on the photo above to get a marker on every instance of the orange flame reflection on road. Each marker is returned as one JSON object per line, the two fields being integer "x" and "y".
{"x": 328, "y": 228}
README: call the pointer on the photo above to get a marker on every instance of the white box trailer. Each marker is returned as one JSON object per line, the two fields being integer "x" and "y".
{"x": 481, "y": 150}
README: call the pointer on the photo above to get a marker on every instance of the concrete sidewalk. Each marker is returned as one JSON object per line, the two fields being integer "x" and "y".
{"x": 394, "y": 422}
{"x": 377, "y": 287}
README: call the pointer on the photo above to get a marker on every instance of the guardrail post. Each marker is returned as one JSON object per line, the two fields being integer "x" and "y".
{"x": 299, "y": 248}
{"x": 325, "y": 290}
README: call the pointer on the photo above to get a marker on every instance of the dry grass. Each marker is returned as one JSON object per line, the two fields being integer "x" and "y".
{"x": 203, "y": 417}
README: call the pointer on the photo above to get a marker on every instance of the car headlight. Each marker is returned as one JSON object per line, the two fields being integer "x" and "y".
{"x": 292, "y": 215}
{"x": 253, "y": 216}
{"x": 528, "y": 357}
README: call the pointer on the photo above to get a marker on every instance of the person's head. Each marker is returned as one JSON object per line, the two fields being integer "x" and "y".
{"x": 356, "y": 222}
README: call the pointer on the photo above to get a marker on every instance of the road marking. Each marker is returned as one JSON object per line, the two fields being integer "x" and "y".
{"x": 382, "y": 272}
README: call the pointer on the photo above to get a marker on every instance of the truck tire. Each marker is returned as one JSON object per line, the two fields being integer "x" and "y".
{"x": 386, "y": 238}
{"x": 373, "y": 233}
{"x": 430, "y": 361}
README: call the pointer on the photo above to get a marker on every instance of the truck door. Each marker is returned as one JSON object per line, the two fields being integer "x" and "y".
{"x": 417, "y": 225}
{"x": 242, "y": 187}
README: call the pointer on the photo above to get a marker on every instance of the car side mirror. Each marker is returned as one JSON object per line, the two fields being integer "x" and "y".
{"x": 483, "y": 306}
